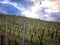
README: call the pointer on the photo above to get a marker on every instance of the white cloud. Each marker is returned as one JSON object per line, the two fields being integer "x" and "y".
{"x": 30, "y": 14}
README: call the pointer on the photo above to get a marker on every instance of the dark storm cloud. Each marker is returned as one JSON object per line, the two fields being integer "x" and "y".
{"x": 42, "y": 11}
{"x": 55, "y": 15}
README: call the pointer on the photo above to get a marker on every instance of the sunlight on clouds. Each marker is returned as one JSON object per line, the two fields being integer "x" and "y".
{"x": 30, "y": 14}
{"x": 56, "y": 6}
{"x": 52, "y": 4}
{"x": 47, "y": 3}
{"x": 35, "y": 7}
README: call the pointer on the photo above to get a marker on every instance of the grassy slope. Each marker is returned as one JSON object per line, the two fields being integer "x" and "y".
{"x": 16, "y": 25}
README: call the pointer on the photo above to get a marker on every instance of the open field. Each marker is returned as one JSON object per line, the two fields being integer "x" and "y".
{"x": 36, "y": 31}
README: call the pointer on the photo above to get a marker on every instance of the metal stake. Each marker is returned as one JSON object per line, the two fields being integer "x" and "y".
{"x": 6, "y": 31}
{"x": 24, "y": 29}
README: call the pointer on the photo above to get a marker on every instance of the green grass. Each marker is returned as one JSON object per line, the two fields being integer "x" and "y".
{"x": 35, "y": 39}
{"x": 27, "y": 36}
{"x": 47, "y": 41}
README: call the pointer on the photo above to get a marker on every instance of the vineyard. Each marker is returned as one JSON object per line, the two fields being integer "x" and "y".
{"x": 35, "y": 30}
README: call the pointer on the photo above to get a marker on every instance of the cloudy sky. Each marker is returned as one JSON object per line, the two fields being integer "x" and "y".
{"x": 48, "y": 10}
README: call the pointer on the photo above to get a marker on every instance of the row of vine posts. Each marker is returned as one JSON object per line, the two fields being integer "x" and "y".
{"x": 23, "y": 30}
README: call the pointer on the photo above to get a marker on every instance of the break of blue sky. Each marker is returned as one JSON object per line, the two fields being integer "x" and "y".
{"x": 39, "y": 9}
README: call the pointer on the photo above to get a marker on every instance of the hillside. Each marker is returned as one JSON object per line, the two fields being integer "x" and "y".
{"x": 19, "y": 19}
{"x": 35, "y": 29}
